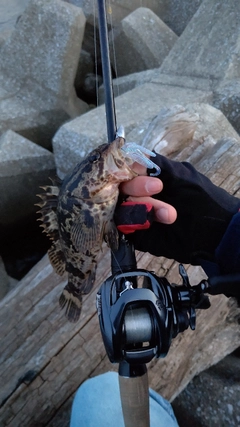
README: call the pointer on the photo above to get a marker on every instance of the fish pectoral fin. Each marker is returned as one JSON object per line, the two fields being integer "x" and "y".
{"x": 72, "y": 300}
{"x": 71, "y": 297}
{"x": 84, "y": 235}
{"x": 56, "y": 257}
{"x": 111, "y": 235}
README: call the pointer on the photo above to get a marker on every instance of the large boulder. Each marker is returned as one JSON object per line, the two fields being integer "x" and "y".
{"x": 176, "y": 14}
{"x": 140, "y": 42}
{"x": 212, "y": 397}
{"x": 227, "y": 99}
{"x": 209, "y": 46}
{"x": 38, "y": 94}
{"x": 125, "y": 83}
{"x": 76, "y": 138}
{"x": 118, "y": 9}
{"x": 24, "y": 166}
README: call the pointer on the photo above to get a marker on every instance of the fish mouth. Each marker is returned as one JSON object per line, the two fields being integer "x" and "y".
{"x": 119, "y": 164}
{"x": 130, "y": 164}
{"x": 122, "y": 167}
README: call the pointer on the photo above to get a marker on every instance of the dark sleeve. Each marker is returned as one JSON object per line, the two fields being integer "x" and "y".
{"x": 228, "y": 251}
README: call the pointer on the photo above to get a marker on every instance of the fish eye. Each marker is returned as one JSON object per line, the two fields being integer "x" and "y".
{"x": 94, "y": 157}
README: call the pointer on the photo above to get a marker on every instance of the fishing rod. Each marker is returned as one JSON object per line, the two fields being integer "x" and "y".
{"x": 139, "y": 312}
{"x": 107, "y": 73}
{"x": 132, "y": 376}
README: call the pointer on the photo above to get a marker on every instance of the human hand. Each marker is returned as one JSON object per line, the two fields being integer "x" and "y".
{"x": 204, "y": 212}
{"x": 141, "y": 188}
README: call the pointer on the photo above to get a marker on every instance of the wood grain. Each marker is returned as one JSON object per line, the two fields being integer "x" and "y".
{"x": 44, "y": 359}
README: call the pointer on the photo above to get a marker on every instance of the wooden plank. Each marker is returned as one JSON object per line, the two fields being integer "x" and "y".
{"x": 44, "y": 358}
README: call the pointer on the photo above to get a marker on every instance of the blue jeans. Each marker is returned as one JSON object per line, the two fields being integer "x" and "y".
{"x": 97, "y": 404}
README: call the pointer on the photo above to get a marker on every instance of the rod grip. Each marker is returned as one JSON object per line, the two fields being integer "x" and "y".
{"x": 135, "y": 400}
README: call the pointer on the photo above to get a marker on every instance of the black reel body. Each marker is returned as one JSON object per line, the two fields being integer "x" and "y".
{"x": 140, "y": 313}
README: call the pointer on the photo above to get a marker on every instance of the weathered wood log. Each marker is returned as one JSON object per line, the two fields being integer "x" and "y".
{"x": 44, "y": 358}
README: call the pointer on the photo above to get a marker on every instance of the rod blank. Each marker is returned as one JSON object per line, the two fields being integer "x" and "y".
{"x": 107, "y": 74}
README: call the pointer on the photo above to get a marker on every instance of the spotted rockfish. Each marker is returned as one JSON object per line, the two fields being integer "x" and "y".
{"x": 77, "y": 214}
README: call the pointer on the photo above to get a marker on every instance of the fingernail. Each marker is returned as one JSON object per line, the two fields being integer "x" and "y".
{"x": 152, "y": 187}
{"x": 162, "y": 215}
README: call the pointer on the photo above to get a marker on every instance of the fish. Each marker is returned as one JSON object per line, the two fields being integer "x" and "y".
{"x": 77, "y": 214}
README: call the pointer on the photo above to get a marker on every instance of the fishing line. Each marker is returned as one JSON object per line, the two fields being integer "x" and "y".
{"x": 95, "y": 50}
{"x": 110, "y": 12}
{"x": 130, "y": 308}
{"x": 116, "y": 260}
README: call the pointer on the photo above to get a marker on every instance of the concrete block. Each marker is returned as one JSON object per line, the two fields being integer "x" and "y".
{"x": 4, "y": 35}
{"x": 24, "y": 166}
{"x": 177, "y": 14}
{"x": 227, "y": 99}
{"x": 10, "y": 10}
{"x": 45, "y": 44}
{"x": 85, "y": 66}
{"x": 140, "y": 42}
{"x": 209, "y": 47}
{"x": 78, "y": 137}
{"x": 119, "y": 9}
{"x": 37, "y": 121}
{"x": 212, "y": 397}
{"x": 125, "y": 83}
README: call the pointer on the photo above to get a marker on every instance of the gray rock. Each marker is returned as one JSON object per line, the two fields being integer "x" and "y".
{"x": 209, "y": 45}
{"x": 119, "y": 9}
{"x": 140, "y": 42}
{"x": 4, "y": 35}
{"x": 85, "y": 66}
{"x": 33, "y": 114}
{"x": 38, "y": 94}
{"x": 43, "y": 47}
{"x": 125, "y": 83}
{"x": 227, "y": 99}
{"x": 90, "y": 87}
{"x": 10, "y": 10}
{"x": 78, "y": 137}
{"x": 177, "y": 14}
{"x": 24, "y": 166}
{"x": 212, "y": 397}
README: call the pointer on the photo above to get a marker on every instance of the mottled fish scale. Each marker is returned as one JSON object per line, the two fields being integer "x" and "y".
{"x": 79, "y": 216}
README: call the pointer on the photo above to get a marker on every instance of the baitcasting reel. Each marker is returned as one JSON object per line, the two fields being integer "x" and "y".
{"x": 139, "y": 314}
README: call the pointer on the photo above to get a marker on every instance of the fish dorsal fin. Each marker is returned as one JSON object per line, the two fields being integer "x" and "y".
{"x": 48, "y": 207}
{"x": 48, "y": 217}
{"x": 57, "y": 259}
{"x": 86, "y": 231}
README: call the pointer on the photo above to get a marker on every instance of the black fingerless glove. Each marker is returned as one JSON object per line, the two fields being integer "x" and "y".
{"x": 204, "y": 212}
